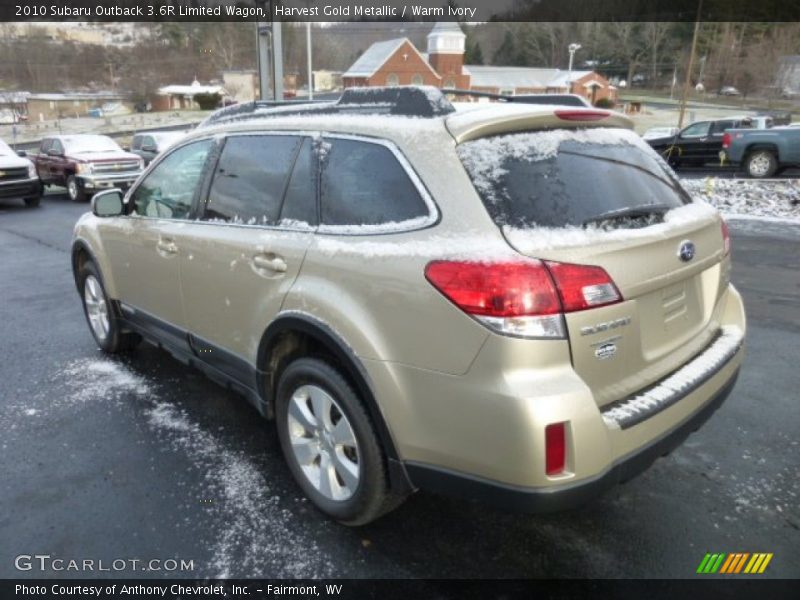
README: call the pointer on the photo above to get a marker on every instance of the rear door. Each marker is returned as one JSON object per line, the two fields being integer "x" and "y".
{"x": 714, "y": 144}
{"x": 245, "y": 253}
{"x": 693, "y": 142}
{"x": 603, "y": 198}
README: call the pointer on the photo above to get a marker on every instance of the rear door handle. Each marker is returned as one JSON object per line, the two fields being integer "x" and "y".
{"x": 270, "y": 262}
{"x": 166, "y": 246}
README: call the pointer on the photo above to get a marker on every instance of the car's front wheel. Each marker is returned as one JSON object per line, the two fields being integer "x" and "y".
{"x": 103, "y": 322}
{"x": 761, "y": 163}
{"x": 74, "y": 190}
{"x": 330, "y": 443}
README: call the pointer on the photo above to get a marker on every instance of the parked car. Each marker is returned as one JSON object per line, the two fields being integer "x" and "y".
{"x": 655, "y": 133}
{"x": 11, "y": 117}
{"x": 85, "y": 164}
{"x": 729, "y": 90}
{"x": 762, "y": 152}
{"x": 697, "y": 144}
{"x": 410, "y": 293}
{"x": 150, "y": 144}
{"x": 18, "y": 178}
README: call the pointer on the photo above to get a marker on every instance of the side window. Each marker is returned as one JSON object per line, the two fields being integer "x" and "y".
{"x": 46, "y": 145}
{"x": 167, "y": 192}
{"x": 695, "y": 130}
{"x": 250, "y": 178}
{"x": 136, "y": 144}
{"x": 148, "y": 142}
{"x": 364, "y": 184}
{"x": 57, "y": 146}
{"x": 300, "y": 203}
{"x": 719, "y": 127}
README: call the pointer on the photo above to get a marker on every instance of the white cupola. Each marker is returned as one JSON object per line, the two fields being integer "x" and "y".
{"x": 446, "y": 38}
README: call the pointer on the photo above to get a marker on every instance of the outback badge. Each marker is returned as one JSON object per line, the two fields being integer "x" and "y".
{"x": 686, "y": 251}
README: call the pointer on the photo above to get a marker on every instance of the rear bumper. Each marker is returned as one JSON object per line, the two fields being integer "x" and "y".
{"x": 558, "y": 498}
{"x": 21, "y": 188}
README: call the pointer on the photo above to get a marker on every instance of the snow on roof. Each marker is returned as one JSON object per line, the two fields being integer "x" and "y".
{"x": 373, "y": 59}
{"x": 77, "y": 96}
{"x": 190, "y": 90}
{"x": 519, "y": 77}
{"x": 446, "y": 27}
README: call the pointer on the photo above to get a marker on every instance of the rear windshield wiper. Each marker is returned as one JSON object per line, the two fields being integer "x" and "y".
{"x": 630, "y": 211}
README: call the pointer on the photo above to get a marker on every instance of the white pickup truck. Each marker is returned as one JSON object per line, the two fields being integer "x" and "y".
{"x": 18, "y": 178}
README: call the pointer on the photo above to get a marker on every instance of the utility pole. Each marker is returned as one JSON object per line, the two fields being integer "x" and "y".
{"x": 262, "y": 44}
{"x": 572, "y": 48}
{"x": 277, "y": 57}
{"x": 688, "y": 81}
{"x": 308, "y": 61}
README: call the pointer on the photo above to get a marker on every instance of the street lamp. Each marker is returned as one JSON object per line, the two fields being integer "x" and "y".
{"x": 573, "y": 48}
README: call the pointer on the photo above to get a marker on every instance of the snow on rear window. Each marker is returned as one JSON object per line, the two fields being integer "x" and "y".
{"x": 571, "y": 178}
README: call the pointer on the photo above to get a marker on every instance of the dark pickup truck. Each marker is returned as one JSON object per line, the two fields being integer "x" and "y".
{"x": 762, "y": 152}
{"x": 86, "y": 164}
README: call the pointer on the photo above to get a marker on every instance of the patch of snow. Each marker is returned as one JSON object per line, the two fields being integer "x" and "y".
{"x": 99, "y": 379}
{"x": 466, "y": 246}
{"x": 256, "y": 530}
{"x": 389, "y": 227}
{"x": 749, "y": 197}
{"x": 31, "y": 412}
{"x": 666, "y": 391}
{"x": 536, "y": 239}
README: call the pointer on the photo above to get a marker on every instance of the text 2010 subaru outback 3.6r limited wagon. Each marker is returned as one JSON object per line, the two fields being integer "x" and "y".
{"x": 514, "y": 303}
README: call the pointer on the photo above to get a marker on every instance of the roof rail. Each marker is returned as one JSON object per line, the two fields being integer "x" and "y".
{"x": 406, "y": 101}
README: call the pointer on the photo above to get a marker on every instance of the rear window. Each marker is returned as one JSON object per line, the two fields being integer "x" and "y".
{"x": 571, "y": 178}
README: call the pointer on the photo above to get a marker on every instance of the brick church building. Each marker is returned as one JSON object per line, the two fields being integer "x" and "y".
{"x": 398, "y": 62}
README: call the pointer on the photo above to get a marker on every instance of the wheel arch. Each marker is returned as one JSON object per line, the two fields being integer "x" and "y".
{"x": 756, "y": 146}
{"x": 295, "y": 334}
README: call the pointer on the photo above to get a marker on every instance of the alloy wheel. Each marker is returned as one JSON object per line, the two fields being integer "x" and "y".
{"x": 323, "y": 443}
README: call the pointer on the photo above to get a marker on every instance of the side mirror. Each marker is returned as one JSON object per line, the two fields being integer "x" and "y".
{"x": 108, "y": 203}
{"x": 149, "y": 148}
{"x": 22, "y": 153}
{"x": 126, "y": 148}
{"x": 55, "y": 153}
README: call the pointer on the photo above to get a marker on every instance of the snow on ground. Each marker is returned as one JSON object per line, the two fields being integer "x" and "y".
{"x": 257, "y": 531}
{"x": 254, "y": 535}
{"x": 746, "y": 198}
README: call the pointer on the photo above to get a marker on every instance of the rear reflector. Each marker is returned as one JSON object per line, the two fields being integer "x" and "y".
{"x": 726, "y": 140}
{"x": 555, "y": 437}
{"x": 582, "y": 115}
{"x": 726, "y": 238}
{"x": 524, "y": 299}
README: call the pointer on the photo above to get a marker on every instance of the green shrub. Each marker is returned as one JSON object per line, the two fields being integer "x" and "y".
{"x": 604, "y": 103}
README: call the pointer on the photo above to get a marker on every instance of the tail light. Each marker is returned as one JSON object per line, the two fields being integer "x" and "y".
{"x": 726, "y": 238}
{"x": 582, "y": 115}
{"x": 726, "y": 140}
{"x": 523, "y": 299}
{"x": 555, "y": 448}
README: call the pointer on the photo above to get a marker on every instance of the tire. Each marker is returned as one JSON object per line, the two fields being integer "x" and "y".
{"x": 75, "y": 191}
{"x": 358, "y": 503}
{"x": 112, "y": 340}
{"x": 760, "y": 164}
{"x": 33, "y": 202}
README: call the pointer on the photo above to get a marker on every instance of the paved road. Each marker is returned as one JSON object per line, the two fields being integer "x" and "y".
{"x": 146, "y": 459}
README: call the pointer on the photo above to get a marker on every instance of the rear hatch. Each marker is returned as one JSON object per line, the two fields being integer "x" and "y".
{"x": 602, "y": 197}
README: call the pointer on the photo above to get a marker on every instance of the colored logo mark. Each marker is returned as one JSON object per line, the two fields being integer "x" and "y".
{"x": 735, "y": 563}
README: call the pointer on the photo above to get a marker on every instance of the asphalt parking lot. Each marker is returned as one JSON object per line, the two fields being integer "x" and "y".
{"x": 146, "y": 459}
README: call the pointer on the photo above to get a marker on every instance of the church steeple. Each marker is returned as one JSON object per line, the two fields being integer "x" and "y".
{"x": 446, "y": 44}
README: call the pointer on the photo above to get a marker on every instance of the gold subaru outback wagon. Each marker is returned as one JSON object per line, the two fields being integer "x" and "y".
{"x": 512, "y": 303}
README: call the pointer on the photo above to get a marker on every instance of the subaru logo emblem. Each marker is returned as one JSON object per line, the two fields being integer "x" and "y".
{"x": 686, "y": 251}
